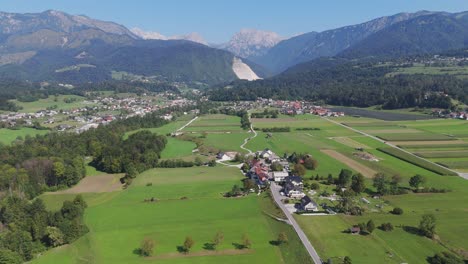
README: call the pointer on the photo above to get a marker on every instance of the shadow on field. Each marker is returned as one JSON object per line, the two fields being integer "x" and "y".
{"x": 412, "y": 230}
{"x": 238, "y": 246}
{"x": 275, "y": 243}
{"x": 137, "y": 251}
{"x": 209, "y": 246}
{"x": 181, "y": 249}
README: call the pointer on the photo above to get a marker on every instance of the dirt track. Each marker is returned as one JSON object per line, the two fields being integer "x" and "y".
{"x": 95, "y": 184}
{"x": 364, "y": 170}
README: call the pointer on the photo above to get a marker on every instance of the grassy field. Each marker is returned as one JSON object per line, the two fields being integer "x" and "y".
{"x": 400, "y": 245}
{"x": 415, "y": 137}
{"x": 416, "y": 161}
{"x": 42, "y": 104}
{"x": 217, "y": 123}
{"x": 9, "y": 135}
{"x": 177, "y": 148}
{"x": 444, "y": 154}
{"x": 120, "y": 221}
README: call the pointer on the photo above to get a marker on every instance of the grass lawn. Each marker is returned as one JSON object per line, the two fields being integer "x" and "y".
{"x": 217, "y": 122}
{"x": 226, "y": 141}
{"x": 9, "y": 135}
{"x": 177, "y": 148}
{"x": 119, "y": 221}
{"x": 42, "y": 104}
{"x": 326, "y": 234}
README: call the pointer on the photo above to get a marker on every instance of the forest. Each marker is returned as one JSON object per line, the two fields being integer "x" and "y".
{"x": 345, "y": 82}
{"x": 57, "y": 160}
{"x": 28, "y": 228}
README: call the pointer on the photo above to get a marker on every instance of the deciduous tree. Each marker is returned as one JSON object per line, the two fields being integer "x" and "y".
{"x": 147, "y": 247}
{"x": 188, "y": 244}
{"x": 427, "y": 225}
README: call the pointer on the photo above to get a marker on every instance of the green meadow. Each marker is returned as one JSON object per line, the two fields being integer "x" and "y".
{"x": 190, "y": 202}
{"x": 399, "y": 246}
{"x": 9, "y": 135}
{"x": 42, "y": 104}
{"x": 119, "y": 221}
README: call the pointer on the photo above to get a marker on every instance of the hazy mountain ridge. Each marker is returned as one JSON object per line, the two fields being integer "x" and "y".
{"x": 249, "y": 43}
{"x": 312, "y": 45}
{"x": 420, "y": 35}
{"x": 56, "y": 46}
{"x": 194, "y": 36}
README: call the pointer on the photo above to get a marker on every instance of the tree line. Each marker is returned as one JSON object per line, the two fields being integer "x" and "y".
{"x": 350, "y": 83}
{"x": 57, "y": 160}
{"x": 29, "y": 228}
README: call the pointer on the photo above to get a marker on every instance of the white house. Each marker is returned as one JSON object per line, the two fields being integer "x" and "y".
{"x": 308, "y": 204}
{"x": 279, "y": 176}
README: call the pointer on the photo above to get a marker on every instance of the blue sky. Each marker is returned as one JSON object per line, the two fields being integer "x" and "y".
{"x": 217, "y": 20}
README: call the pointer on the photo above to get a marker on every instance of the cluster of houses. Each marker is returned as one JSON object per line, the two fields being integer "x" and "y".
{"x": 285, "y": 107}
{"x": 262, "y": 173}
{"x": 463, "y": 115}
{"x": 99, "y": 111}
{"x": 298, "y": 107}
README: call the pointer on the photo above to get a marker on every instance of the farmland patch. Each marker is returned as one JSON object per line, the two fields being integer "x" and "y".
{"x": 95, "y": 184}
{"x": 366, "y": 171}
{"x": 350, "y": 142}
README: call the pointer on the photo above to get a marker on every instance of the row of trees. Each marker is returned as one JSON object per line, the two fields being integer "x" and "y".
{"x": 148, "y": 244}
{"x": 266, "y": 114}
{"x": 31, "y": 229}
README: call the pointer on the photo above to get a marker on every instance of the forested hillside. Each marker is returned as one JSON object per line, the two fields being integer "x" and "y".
{"x": 345, "y": 82}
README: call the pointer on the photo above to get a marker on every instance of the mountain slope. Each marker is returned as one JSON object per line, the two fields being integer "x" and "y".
{"x": 55, "y": 46}
{"x": 250, "y": 43}
{"x": 420, "y": 35}
{"x": 312, "y": 45}
{"x": 194, "y": 36}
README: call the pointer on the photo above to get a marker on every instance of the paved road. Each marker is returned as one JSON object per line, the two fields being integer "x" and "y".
{"x": 189, "y": 122}
{"x": 463, "y": 175}
{"x": 275, "y": 190}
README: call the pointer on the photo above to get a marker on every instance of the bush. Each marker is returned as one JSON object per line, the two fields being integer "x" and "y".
{"x": 147, "y": 246}
{"x": 445, "y": 258}
{"x": 315, "y": 186}
{"x": 386, "y": 227}
{"x": 397, "y": 211}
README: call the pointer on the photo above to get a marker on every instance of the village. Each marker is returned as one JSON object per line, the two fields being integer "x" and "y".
{"x": 100, "y": 110}
{"x": 265, "y": 168}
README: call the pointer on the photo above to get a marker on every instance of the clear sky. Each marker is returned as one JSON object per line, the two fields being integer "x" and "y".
{"x": 217, "y": 20}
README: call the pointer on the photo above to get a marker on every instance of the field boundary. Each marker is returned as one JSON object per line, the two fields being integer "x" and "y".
{"x": 364, "y": 170}
{"x": 463, "y": 175}
{"x": 415, "y": 160}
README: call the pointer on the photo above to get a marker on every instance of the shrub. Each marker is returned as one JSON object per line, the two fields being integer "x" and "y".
{"x": 397, "y": 211}
{"x": 315, "y": 186}
{"x": 146, "y": 248}
{"x": 445, "y": 258}
{"x": 386, "y": 227}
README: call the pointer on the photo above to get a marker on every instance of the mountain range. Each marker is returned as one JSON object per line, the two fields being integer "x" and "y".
{"x": 56, "y": 46}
